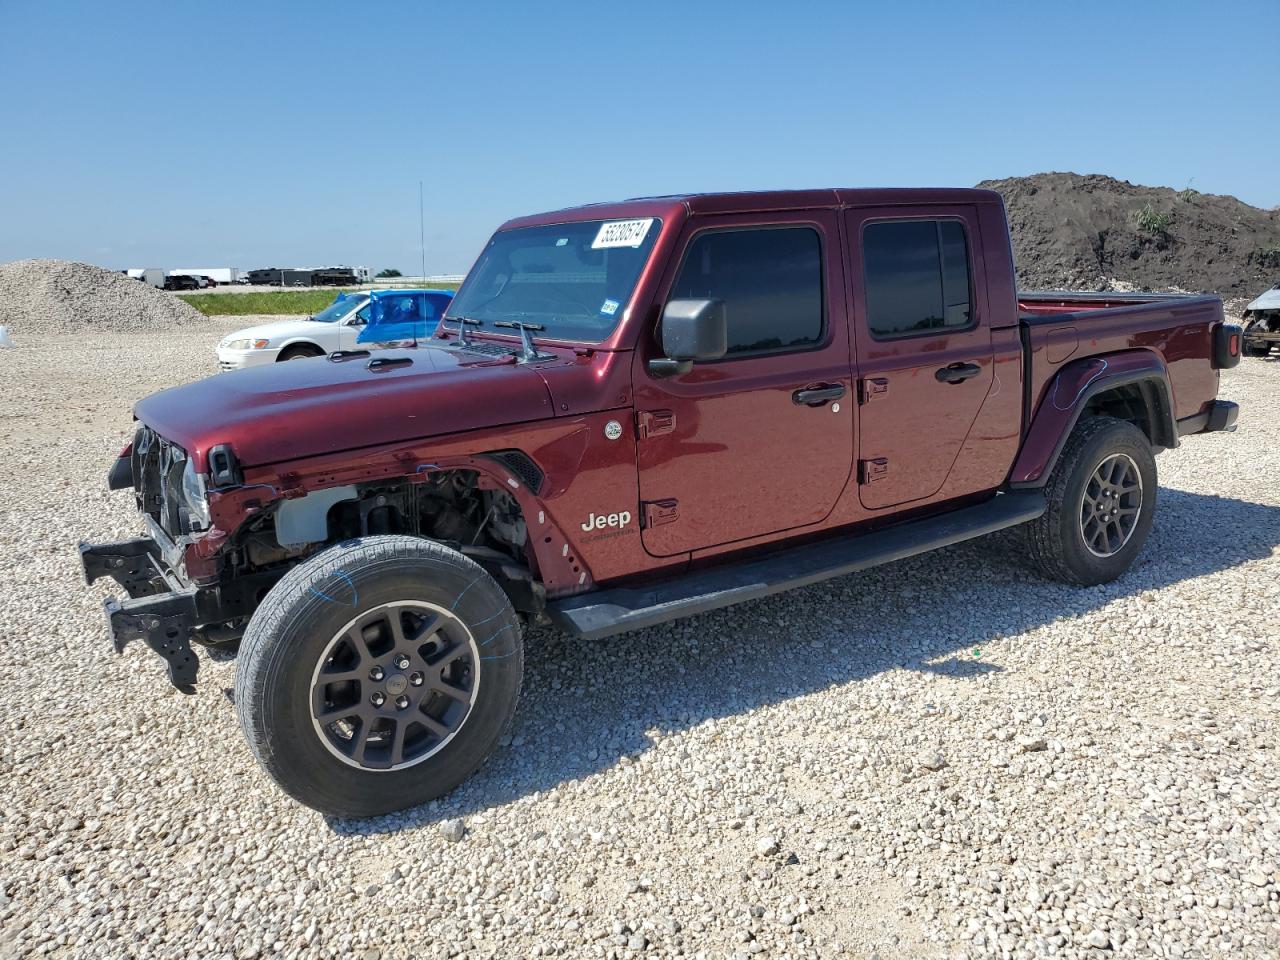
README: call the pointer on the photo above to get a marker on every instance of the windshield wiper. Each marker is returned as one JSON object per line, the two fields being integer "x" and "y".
{"x": 463, "y": 323}
{"x": 527, "y": 350}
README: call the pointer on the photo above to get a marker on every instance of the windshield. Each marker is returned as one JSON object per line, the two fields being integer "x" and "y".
{"x": 572, "y": 279}
{"x": 339, "y": 309}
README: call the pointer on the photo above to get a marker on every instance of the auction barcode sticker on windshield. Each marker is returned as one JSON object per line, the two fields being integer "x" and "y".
{"x": 621, "y": 233}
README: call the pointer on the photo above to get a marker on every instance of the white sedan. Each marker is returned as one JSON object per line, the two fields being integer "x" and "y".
{"x": 336, "y": 327}
{"x": 354, "y": 321}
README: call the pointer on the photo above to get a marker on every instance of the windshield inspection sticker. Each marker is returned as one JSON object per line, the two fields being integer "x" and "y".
{"x": 609, "y": 307}
{"x": 621, "y": 233}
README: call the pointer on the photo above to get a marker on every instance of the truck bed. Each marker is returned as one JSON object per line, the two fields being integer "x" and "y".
{"x": 1061, "y": 326}
{"x": 1036, "y": 304}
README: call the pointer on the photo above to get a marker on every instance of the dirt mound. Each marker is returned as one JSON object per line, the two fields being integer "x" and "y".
{"x": 1098, "y": 233}
{"x": 61, "y": 296}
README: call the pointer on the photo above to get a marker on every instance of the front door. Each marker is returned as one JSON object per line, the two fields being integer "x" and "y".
{"x": 761, "y": 440}
{"x": 355, "y": 325}
{"x": 923, "y": 347}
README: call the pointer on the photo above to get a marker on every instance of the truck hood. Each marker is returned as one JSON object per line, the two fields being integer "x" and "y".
{"x": 312, "y": 407}
{"x": 279, "y": 330}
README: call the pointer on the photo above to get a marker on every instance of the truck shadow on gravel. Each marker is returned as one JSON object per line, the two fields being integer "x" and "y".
{"x": 586, "y": 706}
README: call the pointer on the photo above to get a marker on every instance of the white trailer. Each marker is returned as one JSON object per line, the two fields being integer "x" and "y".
{"x": 154, "y": 276}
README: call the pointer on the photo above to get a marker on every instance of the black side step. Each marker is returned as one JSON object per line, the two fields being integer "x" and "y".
{"x": 605, "y": 612}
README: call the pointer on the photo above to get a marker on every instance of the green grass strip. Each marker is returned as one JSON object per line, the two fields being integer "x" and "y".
{"x": 299, "y": 302}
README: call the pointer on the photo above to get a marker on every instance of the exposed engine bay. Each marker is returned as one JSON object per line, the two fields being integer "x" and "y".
{"x": 452, "y": 507}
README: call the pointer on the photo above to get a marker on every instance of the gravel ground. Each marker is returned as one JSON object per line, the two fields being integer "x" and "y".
{"x": 42, "y": 297}
{"x": 943, "y": 757}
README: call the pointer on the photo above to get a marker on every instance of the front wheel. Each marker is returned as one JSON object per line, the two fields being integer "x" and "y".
{"x": 378, "y": 675}
{"x": 299, "y": 353}
{"x": 1101, "y": 501}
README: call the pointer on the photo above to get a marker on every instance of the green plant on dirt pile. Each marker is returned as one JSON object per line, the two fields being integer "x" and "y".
{"x": 1268, "y": 257}
{"x": 1187, "y": 195}
{"x": 1153, "y": 221}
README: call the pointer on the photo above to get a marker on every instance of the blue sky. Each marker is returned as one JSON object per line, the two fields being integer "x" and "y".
{"x": 261, "y": 134}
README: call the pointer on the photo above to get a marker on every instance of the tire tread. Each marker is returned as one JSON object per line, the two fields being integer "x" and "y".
{"x": 1044, "y": 544}
{"x": 260, "y": 662}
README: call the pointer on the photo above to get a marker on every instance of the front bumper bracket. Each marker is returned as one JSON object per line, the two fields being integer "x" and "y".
{"x": 162, "y": 618}
{"x": 134, "y": 564}
{"x": 165, "y": 612}
{"x": 165, "y": 623}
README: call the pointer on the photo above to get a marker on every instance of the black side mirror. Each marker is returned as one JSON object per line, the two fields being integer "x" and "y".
{"x": 691, "y": 330}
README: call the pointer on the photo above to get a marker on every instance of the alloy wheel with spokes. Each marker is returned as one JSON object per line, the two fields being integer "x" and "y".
{"x": 379, "y": 674}
{"x": 394, "y": 685}
{"x": 1111, "y": 505}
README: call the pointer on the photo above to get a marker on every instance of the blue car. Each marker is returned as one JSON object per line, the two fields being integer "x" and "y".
{"x": 401, "y": 315}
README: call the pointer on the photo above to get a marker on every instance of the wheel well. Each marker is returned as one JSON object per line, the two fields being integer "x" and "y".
{"x": 301, "y": 347}
{"x": 1142, "y": 403}
{"x": 464, "y": 509}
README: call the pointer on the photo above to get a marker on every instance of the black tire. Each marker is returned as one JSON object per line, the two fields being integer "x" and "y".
{"x": 304, "y": 615}
{"x": 1260, "y": 350}
{"x": 300, "y": 352}
{"x": 1056, "y": 541}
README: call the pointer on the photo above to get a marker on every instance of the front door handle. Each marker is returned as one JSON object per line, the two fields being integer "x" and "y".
{"x": 957, "y": 372}
{"x": 812, "y": 396}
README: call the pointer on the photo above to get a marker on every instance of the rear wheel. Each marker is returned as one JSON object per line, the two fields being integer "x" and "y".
{"x": 378, "y": 675}
{"x": 1101, "y": 499}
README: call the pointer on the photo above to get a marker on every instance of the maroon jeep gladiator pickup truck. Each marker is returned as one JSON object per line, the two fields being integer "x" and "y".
{"x": 633, "y": 412}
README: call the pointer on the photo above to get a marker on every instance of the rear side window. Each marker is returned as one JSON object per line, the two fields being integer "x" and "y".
{"x": 405, "y": 308}
{"x": 770, "y": 280}
{"x": 917, "y": 277}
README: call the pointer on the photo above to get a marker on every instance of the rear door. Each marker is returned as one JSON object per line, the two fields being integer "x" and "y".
{"x": 761, "y": 440}
{"x": 923, "y": 347}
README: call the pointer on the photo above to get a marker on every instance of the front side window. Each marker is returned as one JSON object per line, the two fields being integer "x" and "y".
{"x": 917, "y": 277}
{"x": 568, "y": 281}
{"x": 336, "y": 310}
{"x": 770, "y": 280}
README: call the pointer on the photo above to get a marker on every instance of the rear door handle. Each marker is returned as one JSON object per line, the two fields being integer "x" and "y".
{"x": 812, "y": 396}
{"x": 957, "y": 372}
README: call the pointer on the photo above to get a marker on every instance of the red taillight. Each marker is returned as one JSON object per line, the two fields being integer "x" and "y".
{"x": 127, "y": 451}
{"x": 1226, "y": 346}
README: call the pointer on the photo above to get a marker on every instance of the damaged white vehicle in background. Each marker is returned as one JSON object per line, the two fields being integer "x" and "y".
{"x": 1261, "y": 324}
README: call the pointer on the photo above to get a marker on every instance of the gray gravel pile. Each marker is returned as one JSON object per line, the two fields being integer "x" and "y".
{"x": 62, "y": 296}
{"x": 945, "y": 757}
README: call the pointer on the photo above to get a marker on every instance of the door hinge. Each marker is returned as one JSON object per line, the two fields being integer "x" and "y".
{"x": 654, "y": 423}
{"x": 871, "y": 388}
{"x": 869, "y": 471}
{"x": 658, "y": 512}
